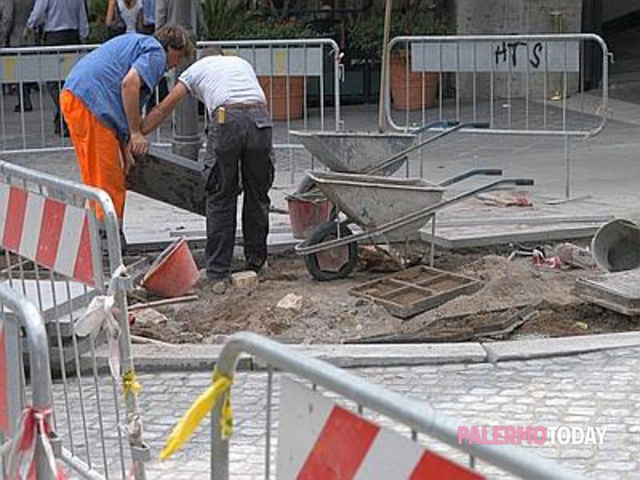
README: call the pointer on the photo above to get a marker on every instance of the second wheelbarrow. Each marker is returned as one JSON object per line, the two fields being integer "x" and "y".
{"x": 370, "y": 153}
{"x": 393, "y": 209}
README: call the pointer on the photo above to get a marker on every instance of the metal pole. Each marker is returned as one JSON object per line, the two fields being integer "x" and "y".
{"x": 384, "y": 74}
{"x": 567, "y": 166}
{"x": 186, "y": 139}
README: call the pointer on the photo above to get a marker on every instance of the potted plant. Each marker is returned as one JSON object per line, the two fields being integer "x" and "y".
{"x": 409, "y": 90}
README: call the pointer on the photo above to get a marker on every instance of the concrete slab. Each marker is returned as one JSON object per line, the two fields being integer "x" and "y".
{"x": 348, "y": 356}
{"x": 203, "y": 357}
{"x": 618, "y": 291}
{"x": 471, "y": 237}
{"x": 549, "y": 347}
{"x": 475, "y": 224}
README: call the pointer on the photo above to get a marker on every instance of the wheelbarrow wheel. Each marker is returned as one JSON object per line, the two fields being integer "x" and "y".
{"x": 333, "y": 263}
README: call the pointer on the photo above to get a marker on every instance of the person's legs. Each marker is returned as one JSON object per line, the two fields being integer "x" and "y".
{"x": 97, "y": 151}
{"x": 224, "y": 147}
{"x": 62, "y": 37}
{"x": 257, "y": 178}
{"x": 24, "y": 101}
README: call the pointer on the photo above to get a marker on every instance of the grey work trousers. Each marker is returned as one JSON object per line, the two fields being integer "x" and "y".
{"x": 238, "y": 159}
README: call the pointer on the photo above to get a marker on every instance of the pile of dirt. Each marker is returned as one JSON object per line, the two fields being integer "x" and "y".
{"x": 329, "y": 314}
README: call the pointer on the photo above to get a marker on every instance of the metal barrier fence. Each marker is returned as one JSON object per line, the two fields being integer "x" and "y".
{"x": 54, "y": 248}
{"x": 30, "y": 125}
{"x": 530, "y": 85}
{"x": 17, "y": 312}
{"x": 300, "y": 77}
{"x": 357, "y": 394}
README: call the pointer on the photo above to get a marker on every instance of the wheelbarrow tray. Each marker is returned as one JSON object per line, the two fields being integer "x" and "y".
{"x": 371, "y": 201}
{"x": 169, "y": 178}
{"x": 355, "y": 152}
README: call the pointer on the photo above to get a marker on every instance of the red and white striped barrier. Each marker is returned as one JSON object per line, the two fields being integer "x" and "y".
{"x": 47, "y": 231}
{"x": 320, "y": 440}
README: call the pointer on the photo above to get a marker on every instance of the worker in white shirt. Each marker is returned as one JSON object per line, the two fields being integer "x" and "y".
{"x": 238, "y": 157}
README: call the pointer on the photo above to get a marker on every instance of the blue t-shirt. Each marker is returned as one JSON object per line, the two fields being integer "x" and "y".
{"x": 97, "y": 78}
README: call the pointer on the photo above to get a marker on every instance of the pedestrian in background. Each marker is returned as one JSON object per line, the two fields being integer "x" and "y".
{"x": 239, "y": 150}
{"x": 124, "y": 16}
{"x": 148, "y": 17}
{"x": 101, "y": 104}
{"x": 65, "y": 23}
{"x": 12, "y": 33}
{"x": 166, "y": 14}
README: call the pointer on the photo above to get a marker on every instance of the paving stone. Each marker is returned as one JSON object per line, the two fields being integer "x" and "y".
{"x": 518, "y": 393}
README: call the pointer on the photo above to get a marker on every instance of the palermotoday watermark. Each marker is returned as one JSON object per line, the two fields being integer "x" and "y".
{"x": 530, "y": 435}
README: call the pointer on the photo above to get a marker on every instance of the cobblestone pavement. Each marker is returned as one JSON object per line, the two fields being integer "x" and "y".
{"x": 597, "y": 390}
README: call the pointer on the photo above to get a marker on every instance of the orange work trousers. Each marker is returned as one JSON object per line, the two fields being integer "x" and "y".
{"x": 97, "y": 150}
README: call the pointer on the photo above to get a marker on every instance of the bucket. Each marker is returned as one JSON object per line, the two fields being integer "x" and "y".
{"x": 306, "y": 212}
{"x": 173, "y": 273}
{"x": 616, "y": 246}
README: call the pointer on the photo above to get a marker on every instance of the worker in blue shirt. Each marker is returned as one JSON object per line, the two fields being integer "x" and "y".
{"x": 102, "y": 98}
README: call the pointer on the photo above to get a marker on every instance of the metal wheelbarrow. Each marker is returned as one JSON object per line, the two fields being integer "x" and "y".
{"x": 370, "y": 153}
{"x": 392, "y": 208}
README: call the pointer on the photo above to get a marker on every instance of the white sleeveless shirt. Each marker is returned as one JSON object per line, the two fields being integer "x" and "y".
{"x": 130, "y": 14}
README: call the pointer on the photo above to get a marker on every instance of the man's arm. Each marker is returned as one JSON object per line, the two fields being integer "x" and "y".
{"x": 164, "y": 109}
{"x": 37, "y": 14}
{"x": 111, "y": 12}
{"x": 131, "y": 102}
{"x": 83, "y": 22}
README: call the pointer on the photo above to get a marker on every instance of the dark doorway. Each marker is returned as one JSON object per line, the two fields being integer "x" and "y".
{"x": 618, "y": 22}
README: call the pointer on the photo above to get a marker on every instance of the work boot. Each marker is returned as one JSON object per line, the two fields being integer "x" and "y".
{"x": 216, "y": 285}
{"x": 28, "y": 107}
{"x": 219, "y": 287}
{"x": 260, "y": 270}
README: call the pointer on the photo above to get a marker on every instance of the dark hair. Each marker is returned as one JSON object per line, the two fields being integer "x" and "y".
{"x": 177, "y": 37}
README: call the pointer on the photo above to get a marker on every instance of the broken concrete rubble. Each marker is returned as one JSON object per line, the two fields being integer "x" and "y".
{"x": 291, "y": 301}
{"x": 245, "y": 279}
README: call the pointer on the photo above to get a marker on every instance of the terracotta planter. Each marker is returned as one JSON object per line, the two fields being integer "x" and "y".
{"x": 411, "y": 90}
{"x": 277, "y": 89}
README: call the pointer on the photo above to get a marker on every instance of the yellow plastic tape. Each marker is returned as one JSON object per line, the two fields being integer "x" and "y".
{"x": 220, "y": 389}
{"x": 130, "y": 383}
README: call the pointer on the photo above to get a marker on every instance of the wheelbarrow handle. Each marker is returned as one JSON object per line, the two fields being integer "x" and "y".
{"x": 471, "y": 173}
{"x": 523, "y": 182}
{"x": 447, "y": 124}
{"x": 431, "y": 125}
{"x": 394, "y": 158}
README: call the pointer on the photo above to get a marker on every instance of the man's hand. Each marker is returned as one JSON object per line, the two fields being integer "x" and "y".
{"x": 126, "y": 159}
{"x": 26, "y": 34}
{"x": 138, "y": 144}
